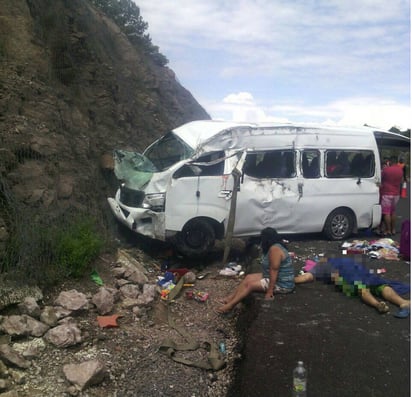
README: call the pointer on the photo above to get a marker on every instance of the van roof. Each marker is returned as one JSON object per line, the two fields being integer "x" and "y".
{"x": 197, "y": 133}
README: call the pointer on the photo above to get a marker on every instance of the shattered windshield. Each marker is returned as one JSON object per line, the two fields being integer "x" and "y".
{"x": 167, "y": 151}
{"x": 134, "y": 169}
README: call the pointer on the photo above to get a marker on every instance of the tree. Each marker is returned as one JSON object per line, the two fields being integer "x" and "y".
{"x": 126, "y": 15}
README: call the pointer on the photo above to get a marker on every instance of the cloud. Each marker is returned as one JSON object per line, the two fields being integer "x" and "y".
{"x": 241, "y": 98}
{"x": 379, "y": 113}
{"x": 342, "y": 61}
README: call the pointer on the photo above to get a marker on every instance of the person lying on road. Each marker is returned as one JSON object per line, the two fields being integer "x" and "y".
{"x": 355, "y": 279}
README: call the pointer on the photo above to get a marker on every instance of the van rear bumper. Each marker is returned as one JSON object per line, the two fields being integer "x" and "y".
{"x": 139, "y": 220}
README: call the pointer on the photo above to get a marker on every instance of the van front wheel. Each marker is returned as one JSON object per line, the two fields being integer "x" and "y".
{"x": 196, "y": 238}
{"x": 339, "y": 224}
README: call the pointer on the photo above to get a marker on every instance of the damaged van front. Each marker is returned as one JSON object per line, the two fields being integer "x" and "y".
{"x": 139, "y": 203}
{"x": 153, "y": 201}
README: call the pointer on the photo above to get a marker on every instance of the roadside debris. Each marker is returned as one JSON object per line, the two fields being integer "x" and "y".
{"x": 96, "y": 278}
{"x": 108, "y": 321}
{"x": 231, "y": 269}
{"x": 384, "y": 248}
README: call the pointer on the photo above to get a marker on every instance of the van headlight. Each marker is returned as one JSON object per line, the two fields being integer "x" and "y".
{"x": 155, "y": 202}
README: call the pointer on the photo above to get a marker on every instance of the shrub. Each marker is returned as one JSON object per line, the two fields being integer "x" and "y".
{"x": 46, "y": 252}
{"x": 77, "y": 246}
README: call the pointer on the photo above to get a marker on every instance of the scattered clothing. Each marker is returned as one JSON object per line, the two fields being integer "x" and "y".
{"x": 383, "y": 248}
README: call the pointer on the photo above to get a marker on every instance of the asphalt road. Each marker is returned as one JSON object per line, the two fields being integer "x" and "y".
{"x": 347, "y": 347}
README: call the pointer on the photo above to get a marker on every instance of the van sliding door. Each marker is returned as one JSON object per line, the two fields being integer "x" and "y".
{"x": 268, "y": 192}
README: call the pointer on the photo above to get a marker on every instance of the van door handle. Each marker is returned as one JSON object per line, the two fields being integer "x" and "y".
{"x": 359, "y": 181}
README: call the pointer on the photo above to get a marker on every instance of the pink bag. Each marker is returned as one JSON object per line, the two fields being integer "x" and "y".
{"x": 309, "y": 264}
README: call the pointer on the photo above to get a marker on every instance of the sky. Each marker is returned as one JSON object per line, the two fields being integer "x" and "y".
{"x": 334, "y": 62}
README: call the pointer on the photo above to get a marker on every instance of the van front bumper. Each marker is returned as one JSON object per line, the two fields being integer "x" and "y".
{"x": 140, "y": 220}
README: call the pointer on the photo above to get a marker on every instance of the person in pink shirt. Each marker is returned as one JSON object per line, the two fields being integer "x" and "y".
{"x": 392, "y": 177}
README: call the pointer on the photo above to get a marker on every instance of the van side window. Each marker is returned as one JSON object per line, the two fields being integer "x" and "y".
{"x": 350, "y": 163}
{"x": 211, "y": 164}
{"x": 310, "y": 164}
{"x": 271, "y": 164}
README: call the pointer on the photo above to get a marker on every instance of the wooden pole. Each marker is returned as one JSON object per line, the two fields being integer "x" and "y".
{"x": 232, "y": 215}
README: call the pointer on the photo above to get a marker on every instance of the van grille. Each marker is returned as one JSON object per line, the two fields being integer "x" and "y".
{"x": 130, "y": 197}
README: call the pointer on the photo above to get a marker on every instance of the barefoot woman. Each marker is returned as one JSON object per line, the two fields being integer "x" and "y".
{"x": 276, "y": 277}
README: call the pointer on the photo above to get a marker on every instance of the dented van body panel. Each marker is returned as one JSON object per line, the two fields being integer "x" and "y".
{"x": 186, "y": 185}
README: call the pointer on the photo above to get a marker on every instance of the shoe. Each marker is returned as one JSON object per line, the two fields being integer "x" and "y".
{"x": 236, "y": 268}
{"x": 228, "y": 272}
{"x": 403, "y": 312}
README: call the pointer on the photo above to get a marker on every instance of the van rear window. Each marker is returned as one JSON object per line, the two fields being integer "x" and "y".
{"x": 349, "y": 163}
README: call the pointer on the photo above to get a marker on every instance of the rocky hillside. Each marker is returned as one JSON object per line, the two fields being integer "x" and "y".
{"x": 72, "y": 89}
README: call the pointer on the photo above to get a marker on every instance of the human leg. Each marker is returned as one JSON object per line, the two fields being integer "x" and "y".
{"x": 395, "y": 201}
{"x": 393, "y": 223}
{"x": 249, "y": 277}
{"x": 304, "y": 278}
{"x": 386, "y": 204}
{"x": 370, "y": 300}
{"x": 391, "y": 296}
{"x": 249, "y": 284}
{"x": 387, "y": 223}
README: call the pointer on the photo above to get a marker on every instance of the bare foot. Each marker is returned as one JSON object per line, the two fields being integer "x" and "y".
{"x": 382, "y": 307}
{"x": 223, "y": 309}
{"x": 222, "y": 301}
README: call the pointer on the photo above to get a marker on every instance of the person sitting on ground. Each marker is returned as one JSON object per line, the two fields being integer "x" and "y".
{"x": 355, "y": 279}
{"x": 276, "y": 277}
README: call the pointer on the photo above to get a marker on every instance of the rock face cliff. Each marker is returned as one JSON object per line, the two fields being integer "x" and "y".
{"x": 72, "y": 89}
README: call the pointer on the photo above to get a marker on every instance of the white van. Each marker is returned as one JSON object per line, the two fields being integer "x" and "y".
{"x": 295, "y": 178}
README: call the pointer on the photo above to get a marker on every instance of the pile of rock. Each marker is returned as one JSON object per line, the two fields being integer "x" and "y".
{"x": 25, "y": 335}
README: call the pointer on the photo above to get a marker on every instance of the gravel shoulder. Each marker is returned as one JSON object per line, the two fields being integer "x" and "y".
{"x": 131, "y": 353}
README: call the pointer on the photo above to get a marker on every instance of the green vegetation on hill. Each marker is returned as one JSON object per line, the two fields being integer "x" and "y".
{"x": 126, "y": 14}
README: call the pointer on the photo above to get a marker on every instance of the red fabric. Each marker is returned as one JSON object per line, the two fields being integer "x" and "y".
{"x": 392, "y": 178}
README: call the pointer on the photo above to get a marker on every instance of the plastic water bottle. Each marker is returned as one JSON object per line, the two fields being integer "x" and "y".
{"x": 299, "y": 380}
{"x": 222, "y": 347}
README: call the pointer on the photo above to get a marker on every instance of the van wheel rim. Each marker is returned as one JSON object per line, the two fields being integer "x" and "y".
{"x": 340, "y": 225}
{"x": 195, "y": 239}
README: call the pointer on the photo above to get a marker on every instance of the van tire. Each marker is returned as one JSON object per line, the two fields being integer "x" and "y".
{"x": 339, "y": 224}
{"x": 196, "y": 238}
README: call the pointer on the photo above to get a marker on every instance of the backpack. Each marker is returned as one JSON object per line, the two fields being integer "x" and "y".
{"x": 405, "y": 243}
